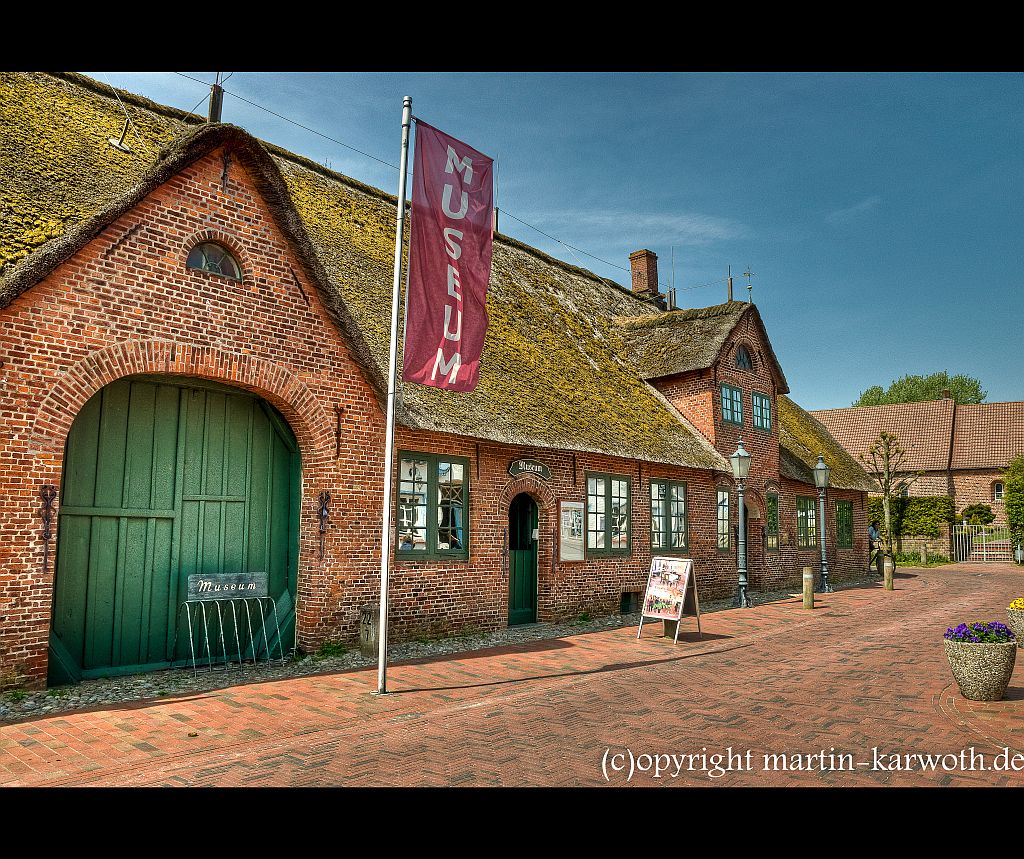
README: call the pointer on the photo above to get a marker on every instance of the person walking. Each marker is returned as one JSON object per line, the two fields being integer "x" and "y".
{"x": 873, "y": 537}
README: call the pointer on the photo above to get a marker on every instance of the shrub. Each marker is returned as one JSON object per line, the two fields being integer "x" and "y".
{"x": 917, "y": 516}
{"x": 1013, "y": 497}
{"x": 978, "y": 514}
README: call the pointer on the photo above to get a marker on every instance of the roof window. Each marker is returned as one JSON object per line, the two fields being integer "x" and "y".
{"x": 214, "y": 258}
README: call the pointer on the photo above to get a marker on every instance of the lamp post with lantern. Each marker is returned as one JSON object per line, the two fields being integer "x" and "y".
{"x": 821, "y": 473}
{"x": 740, "y": 462}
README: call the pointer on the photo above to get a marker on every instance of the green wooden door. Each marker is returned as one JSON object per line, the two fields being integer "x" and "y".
{"x": 163, "y": 480}
{"x": 522, "y": 580}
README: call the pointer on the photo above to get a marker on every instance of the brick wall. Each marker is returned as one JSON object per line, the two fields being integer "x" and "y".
{"x": 127, "y": 304}
{"x": 975, "y": 487}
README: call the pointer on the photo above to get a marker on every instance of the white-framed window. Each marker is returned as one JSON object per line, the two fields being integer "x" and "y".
{"x": 997, "y": 491}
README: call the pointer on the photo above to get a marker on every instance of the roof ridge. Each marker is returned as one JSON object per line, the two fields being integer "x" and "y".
{"x": 304, "y": 161}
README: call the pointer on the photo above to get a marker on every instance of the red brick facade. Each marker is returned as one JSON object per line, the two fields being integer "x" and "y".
{"x": 126, "y": 304}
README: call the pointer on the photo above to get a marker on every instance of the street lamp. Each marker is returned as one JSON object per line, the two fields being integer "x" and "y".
{"x": 740, "y": 462}
{"x": 821, "y": 473}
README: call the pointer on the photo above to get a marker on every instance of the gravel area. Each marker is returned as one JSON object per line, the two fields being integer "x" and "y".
{"x": 19, "y": 704}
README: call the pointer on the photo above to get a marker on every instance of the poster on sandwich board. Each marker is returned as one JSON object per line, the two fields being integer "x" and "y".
{"x": 671, "y": 593}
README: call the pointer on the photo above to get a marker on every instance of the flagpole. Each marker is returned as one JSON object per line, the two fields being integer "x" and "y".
{"x": 386, "y": 542}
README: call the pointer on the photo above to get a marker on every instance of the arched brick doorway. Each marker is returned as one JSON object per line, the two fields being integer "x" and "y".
{"x": 166, "y": 477}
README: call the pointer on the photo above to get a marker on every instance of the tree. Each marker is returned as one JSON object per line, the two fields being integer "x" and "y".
{"x": 916, "y": 389}
{"x": 885, "y": 462}
{"x": 1013, "y": 498}
{"x": 978, "y": 514}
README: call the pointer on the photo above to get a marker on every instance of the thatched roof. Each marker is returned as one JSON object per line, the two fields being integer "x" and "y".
{"x": 802, "y": 438}
{"x": 679, "y": 341}
{"x": 552, "y": 372}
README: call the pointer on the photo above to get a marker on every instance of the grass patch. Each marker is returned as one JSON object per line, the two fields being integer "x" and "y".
{"x": 331, "y": 649}
{"x": 17, "y": 695}
{"x": 582, "y": 618}
{"x": 913, "y": 559}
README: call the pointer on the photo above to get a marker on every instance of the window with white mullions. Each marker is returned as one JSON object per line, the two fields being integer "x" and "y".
{"x": 771, "y": 528}
{"x": 806, "y": 523}
{"x": 762, "y": 411}
{"x": 450, "y": 505}
{"x": 214, "y": 258}
{"x": 732, "y": 405}
{"x": 432, "y": 520}
{"x": 608, "y": 515}
{"x": 723, "y": 518}
{"x": 668, "y": 516}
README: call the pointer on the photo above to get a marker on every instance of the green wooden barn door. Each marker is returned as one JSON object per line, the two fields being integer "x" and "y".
{"x": 522, "y": 580}
{"x": 163, "y": 480}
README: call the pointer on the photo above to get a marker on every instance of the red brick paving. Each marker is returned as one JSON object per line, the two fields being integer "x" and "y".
{"x": 865, "y": 669}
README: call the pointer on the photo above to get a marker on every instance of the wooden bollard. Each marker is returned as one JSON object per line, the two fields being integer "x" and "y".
{"x": 808, "y": 587}
{"x": 888, "y": 573}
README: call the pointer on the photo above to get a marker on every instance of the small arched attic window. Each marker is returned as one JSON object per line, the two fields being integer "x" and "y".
{"x": 743, "y": 359}
{"x": 211, "y": 257}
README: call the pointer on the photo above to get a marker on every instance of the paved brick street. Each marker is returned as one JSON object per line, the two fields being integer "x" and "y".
{"x": 866, "y": 669}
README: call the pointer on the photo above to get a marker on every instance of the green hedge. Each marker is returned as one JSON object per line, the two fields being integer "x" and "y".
{"x": 915, "y": 516}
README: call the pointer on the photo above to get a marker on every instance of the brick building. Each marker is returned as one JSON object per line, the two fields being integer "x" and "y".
{"x": 961, "y": 450}
{"x": 193, "y": 346}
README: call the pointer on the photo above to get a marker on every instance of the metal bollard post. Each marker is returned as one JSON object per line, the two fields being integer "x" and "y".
{"x": 808, "y": 587}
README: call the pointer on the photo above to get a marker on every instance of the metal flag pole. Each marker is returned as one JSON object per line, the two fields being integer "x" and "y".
{"x": 389, "y": 436}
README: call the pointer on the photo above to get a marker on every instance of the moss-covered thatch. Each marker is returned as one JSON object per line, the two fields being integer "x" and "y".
{"x": 551, "y": 373}
{"x": 802, "y": 438}
{"x": 663, "y": 344}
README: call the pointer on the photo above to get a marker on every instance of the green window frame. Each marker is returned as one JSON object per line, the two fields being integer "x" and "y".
{"x": 609, "y": 515}
{"x": 723, "y": 519}
{"x": 771, "y": 528}
{"x": 761, "y": 411}
{"x": 806, "y": 523}
{"x": 669, "y": 525}
{"x": 844, "y": 524}
{"x": 432, "y": 508}
{"x": 732, "y": 405}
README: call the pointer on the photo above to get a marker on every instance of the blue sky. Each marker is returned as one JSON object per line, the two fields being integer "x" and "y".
{"x": 881, "y": 213}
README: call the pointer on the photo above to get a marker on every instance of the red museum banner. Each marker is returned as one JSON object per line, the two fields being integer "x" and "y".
{"x": 449, "y": 262}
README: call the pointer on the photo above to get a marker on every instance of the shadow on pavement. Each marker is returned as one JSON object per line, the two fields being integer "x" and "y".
{"x": 603, "y": 669}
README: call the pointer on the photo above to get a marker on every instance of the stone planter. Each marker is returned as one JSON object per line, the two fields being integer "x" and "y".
{"x": 982, "y": 671}
{"x": 1015, "y": 620}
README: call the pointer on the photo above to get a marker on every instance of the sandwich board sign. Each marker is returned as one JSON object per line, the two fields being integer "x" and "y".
{"x": 671, "y": 593}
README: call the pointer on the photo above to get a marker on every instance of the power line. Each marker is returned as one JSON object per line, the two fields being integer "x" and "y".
{"x": 570, "y": 248}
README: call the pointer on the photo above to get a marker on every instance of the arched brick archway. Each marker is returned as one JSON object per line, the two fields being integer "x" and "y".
{"x": 285, "y": 391}
{"x": 534, "y": 487}
{"x": 313, "y": 430}
{"x": 545, "y": 500}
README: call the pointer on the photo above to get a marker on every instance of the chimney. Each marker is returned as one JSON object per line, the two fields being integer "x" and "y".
{"x": 644, "y": 264}
{"x": 945, "y": 393}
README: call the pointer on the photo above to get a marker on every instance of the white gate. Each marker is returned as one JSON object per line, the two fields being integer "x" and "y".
{"x": 982, "y": 543}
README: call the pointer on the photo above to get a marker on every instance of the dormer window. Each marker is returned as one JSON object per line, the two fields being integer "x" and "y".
{"x": 214, "y": 258}
{"x": 743, "y": 359}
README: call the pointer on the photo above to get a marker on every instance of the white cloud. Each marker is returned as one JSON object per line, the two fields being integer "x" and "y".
{"x": 640, "y": 230}
{"x": 851, "y": 213}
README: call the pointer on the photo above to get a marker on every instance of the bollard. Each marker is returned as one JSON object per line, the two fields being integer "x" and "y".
{"x": 888, "y": 573}
{"x": 369, "y": 624}
{"x": 808, "y": 587}
{"x": 924, "y": 555}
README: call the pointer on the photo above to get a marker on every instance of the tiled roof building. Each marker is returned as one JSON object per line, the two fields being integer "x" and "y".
{"x": 206, "y": 420}
{"x": 962, "y": 450}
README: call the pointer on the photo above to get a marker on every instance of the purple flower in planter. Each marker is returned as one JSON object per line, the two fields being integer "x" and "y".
{"x": 979, "y": 632}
